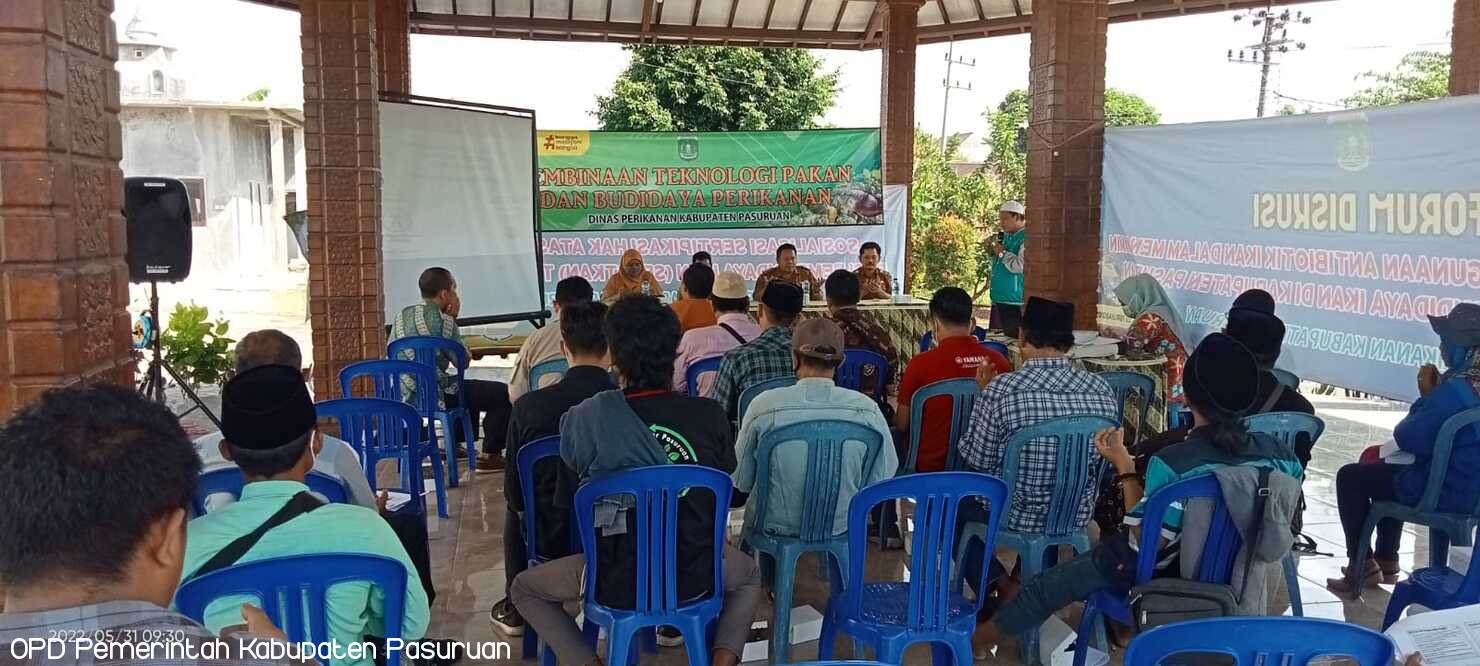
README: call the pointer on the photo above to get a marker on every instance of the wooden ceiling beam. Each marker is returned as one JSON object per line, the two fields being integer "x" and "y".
{"x": 444, "y": 24}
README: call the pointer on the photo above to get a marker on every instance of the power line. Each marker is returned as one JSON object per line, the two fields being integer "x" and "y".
{"x": 950, "y": 85}
{"x": 1264, "y": 52}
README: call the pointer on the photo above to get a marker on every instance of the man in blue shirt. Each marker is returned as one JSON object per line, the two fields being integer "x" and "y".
{"x": 271, "y": 433}
{"x": 817, "y": 350}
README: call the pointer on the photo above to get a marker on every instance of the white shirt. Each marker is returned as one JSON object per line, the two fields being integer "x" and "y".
{"x": 338, "y": 459}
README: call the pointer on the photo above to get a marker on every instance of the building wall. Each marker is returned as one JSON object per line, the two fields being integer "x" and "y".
{"x": 231, "y": 251}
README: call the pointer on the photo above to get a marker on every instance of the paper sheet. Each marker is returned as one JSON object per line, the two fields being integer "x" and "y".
{"x": 1448, "y": 637}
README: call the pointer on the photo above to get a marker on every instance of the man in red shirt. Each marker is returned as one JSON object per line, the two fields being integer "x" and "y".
{"x": 958, "y": 354}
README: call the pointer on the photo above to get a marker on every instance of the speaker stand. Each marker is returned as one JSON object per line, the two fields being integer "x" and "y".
{"x": 153, "y": 384}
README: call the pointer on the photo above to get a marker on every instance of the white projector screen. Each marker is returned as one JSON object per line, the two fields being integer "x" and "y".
{"x": 458, "y": 191}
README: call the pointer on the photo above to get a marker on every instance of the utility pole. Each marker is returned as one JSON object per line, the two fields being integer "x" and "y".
{"x": 1264, "y": 52}
{"x": 949, "y": 85}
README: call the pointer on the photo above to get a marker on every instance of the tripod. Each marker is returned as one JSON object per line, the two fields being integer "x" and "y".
{"x": 153, "y": 384}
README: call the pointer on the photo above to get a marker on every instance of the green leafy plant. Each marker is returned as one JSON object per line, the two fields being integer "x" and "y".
{"x": 940, "y": 191}
{"x": 196, "y": 347}
{"x": 947, "y": 255}
{"x": 1420, "y": 75}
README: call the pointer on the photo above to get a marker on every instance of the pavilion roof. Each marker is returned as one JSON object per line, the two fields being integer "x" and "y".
{"x": 841, "y": 24}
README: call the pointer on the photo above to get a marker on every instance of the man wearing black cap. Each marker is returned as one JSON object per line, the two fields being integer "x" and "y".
{"x": 1255, "y": 299}
{"x": 271, "y": 433}
{"x": 1047, "y": 386}
{"x": 766, "y": 357}
{"x": 1221, "y": 383}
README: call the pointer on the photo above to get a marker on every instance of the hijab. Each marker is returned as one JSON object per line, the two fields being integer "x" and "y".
{"x": 1461, "y": 363}
{"x": 621, "y": 283}
{"x": 1141, "y": 293}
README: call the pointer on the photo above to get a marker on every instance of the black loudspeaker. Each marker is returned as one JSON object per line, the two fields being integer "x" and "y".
{"x": 157, "y": 214}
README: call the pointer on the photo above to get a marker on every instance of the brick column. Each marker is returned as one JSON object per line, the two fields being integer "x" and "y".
{"x": 63, "y": 282}
{"x": 393, "y": 45}
{"x": 897, "y": 102}
{"x": 1464, "y": 58}
{"x": 1065, "y": 147}
{"x": 342, "y": 147}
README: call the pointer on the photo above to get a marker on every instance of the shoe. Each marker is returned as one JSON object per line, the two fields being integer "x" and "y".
{"x": 1389, "y": 571}
{"x": 490, "y": 463}
{"x": 669, "y": 637}
{"x": 506, "y": 619}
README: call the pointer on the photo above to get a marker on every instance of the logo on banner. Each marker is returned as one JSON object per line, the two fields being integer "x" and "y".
{"x": 688, "y": 148}
{"x": 573, "y": 142}
{"x": 1353, "y": 141}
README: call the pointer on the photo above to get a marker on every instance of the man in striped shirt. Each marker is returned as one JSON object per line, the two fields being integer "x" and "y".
{"x": 436, "y": 316}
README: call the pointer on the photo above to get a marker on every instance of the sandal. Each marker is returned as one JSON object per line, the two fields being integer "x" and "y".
{"x": 1388, "y": 569}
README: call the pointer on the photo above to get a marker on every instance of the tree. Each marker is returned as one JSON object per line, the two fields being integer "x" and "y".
{"x": 1420, "y": 75}
{"x": 714, "y": 88}
{"x": 258, "y": 95}
{"x": 1009, "y": 159}
{"x": 944, "y": 203}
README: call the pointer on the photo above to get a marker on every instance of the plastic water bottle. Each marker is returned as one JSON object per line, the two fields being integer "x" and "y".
{"x": 806, "y": 292}
{"x": 895, "y": 294}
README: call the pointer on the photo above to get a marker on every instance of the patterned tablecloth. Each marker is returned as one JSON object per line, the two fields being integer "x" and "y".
{"x": 1156, "y": 366}
{"x": 905, "y": 322}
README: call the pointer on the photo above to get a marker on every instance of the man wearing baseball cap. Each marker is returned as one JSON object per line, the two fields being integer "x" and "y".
{"x": 816, "y": 352}
{"x": 1006, "y": 250}
{"x": 733, "y": 327}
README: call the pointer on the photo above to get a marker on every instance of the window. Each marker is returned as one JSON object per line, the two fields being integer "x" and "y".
{"x": 157, "y": 82}
{"x": 138, "y": 54}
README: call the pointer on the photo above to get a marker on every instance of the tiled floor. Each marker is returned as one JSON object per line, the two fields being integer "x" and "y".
{"x": 468, "y": 555}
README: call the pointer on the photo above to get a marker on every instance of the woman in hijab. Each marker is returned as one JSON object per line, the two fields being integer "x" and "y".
{"x": 1156, "y": 326}
{"x": 1358, "y": 485}
{"x": 631, "y": 278}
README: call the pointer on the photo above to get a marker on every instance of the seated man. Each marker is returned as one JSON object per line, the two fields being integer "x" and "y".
{"x": 1046, "y": 387}
{"x": 538, "y": 415}
{"x": 874, "y": 282}
{"x": 859, "y": 332}
{"x": 270, "y": 429}
{"x": 787, "y": 270}
{"x": 85, "y": 552}
{"x": 644, "y": 424}
{"x": 693, "y": 307}
{"x": 766, "y": 357}
{"x": 958, "y": 355}
{"x": 436, "y": 316}
{"x": 544, "y": 343}
{"x": 817, "y": 350}
{"x": 733, "y": 327}
{"x": 337, "y": 459}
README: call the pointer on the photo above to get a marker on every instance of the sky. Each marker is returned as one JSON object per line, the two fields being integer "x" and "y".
{"x": 228, "y": 48}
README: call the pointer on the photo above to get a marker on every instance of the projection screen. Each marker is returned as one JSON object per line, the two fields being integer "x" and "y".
{"x": 458, "y": 191}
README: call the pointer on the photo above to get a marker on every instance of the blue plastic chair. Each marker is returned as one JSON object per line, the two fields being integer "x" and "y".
{"x": 1444, "y": 526}
{"x": 1287, "y": 427}
{"x": 756, "y": 389}
{"x": 1261, "y": 640}
{"x": 1076, "y": 473}
{"x": 928, "y": 339}
{"x": 230, "y": 480}
{"x": 699, "y": 367}
{"x": 287, "y": 586}
{"x": 530, "y": 455}
{"x": 998, "y": 347}
{"x": 379, "y": 429}
{"x": 962, "y": 393}
{"x": 1216, "y": 566}
{"x": 891, "y": 616}
{"x": 1435, "y": 588}
{"x": 825, "y": 440}
{"x": 1287, "y": 378}
{"x": 1123, "y": 384}
{"x": 656, "y": 491}
{"x": 385, "y": 383}
{"x": 425, "y": 349}
{"x": 856, "y": 362}
{"x": 554, "y": 366}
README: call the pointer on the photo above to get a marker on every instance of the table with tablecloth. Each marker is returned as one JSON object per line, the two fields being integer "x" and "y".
{"x": 905, "y": 322}
{"x": 1154, "y": 366}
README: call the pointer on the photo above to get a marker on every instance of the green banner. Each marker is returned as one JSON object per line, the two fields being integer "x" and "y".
{"x": 621, "y": 181}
